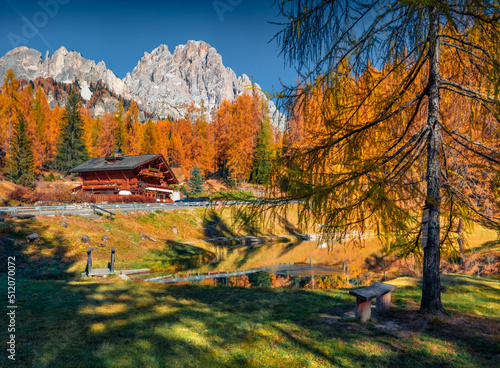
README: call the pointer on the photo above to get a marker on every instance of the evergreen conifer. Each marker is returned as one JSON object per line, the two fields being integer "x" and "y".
{"x": 22, "y": 159}
{"x": 120, "y": 130}
{"x": 263, "y": 154}
{"x": 195, "y": 182}
{"x": 71, "y": 150}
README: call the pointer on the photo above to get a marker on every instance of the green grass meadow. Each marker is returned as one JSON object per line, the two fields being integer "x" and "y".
{"x": 65, "y": 322}
{"x": 113, "y": 323}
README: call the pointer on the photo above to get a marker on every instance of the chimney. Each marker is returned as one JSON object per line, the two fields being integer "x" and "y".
{"x": 118, "y": 152}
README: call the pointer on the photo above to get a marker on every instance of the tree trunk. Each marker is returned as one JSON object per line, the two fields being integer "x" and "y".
{"x": 461, "y": 243}
{"x": 431, "y": 288}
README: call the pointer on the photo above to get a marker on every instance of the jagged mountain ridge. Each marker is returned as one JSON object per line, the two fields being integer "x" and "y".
{"x": 64, "y": 66}
{"x": 163, "y": 84}
{"x": 102, "y": 100}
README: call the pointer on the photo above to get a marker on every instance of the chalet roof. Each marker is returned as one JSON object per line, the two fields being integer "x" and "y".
{"x": 117, "y": 163}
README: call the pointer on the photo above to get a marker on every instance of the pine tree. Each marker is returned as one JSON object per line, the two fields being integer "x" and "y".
{"x": 263, "y": 152}
{"x": 22, "y": 159}
{"x": 71, "y": 150}
{"x": 195, "y": 182}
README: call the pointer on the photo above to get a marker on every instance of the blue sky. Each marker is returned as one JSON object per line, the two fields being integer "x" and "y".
{"x": 119, "y": 32}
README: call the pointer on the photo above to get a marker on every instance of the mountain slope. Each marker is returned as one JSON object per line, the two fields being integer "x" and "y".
{"x": 163, "y": 84}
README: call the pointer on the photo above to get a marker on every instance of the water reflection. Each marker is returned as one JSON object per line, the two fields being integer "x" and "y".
{"x": 285, "y": 259}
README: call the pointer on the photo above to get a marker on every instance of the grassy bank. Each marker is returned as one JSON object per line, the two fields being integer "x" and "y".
{"x": 170, "y": 240}
{"x": 173, "y": 241}
{"x": 111, "y": 323}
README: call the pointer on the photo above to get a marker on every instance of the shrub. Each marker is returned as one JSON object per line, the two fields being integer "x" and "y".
{"x": 184, "y": 191}
{"x": 279, "y": 281}
{"x": 23, "y": 195}
{"x": 233, "y": 195}
{"x": 260, "y": 279}
{"x": 49, "y": 177}
{"x": 62, "y": 195}
{"x": 239, "y": 281}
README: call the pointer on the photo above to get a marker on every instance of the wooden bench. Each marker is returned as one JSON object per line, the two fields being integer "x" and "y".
{"x": 364, "y": 298}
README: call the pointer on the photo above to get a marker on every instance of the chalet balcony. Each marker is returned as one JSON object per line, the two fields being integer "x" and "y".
{"x": 151, "y": 172}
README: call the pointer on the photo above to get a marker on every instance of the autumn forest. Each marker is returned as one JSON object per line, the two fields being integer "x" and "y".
{"x": 238, "y": 141}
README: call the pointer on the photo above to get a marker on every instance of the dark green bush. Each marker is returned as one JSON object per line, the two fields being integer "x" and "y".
{"x": 260, "y": 279}
{"x": 49, "y": 177}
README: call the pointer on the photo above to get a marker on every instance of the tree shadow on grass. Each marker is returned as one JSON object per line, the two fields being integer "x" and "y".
{"x": 103, "y": 324}
{"x": 42, "y": 259}
{"x": 288, "y": 226}
{"x": 109, "y": 324}
{"x": 487, "y": 245}
{"x": 468, "y": 280}
{"x": 215, "y": 227}
{"x": 468, "y": 334}
{"x": 379, "y": 263}
{"x": 179, "y": 256}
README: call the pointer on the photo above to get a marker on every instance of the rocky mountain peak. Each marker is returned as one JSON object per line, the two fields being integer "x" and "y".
{"x": 194, "y": 72}
{"x": 61, "y": 51}
{"x": 162, "y": 49}
{"x": 163, "y": 83}
{"x": 17, "y": 50}
{"x": 193, "y": 50}
{"x": 64, "y": 66}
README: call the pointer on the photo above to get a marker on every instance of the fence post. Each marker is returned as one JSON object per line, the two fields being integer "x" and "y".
{"x": 89, "y": 261}
{"x": 112, "y": 264}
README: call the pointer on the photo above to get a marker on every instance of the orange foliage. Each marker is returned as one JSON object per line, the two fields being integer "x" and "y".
{"x": 235, "y": 129}
{"x": 225, "y": 145}
{"x": 107, "y": 134}
{"x": 240, "y": 281}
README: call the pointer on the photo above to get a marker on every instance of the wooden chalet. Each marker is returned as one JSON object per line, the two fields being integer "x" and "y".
{"x": 145, "y": 175}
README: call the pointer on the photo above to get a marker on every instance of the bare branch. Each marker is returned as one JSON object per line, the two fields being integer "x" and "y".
{"x": 467, "y": 51}
{"x": 483, "y": 155}
{"x": 470, "y": 140}
{"x": 488, "y": 98}
{"x": 466, "y": 43}
{"x": 492, "y": 220}
{"x": 412, "y": 157}
{"x": 465, "y": 94}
